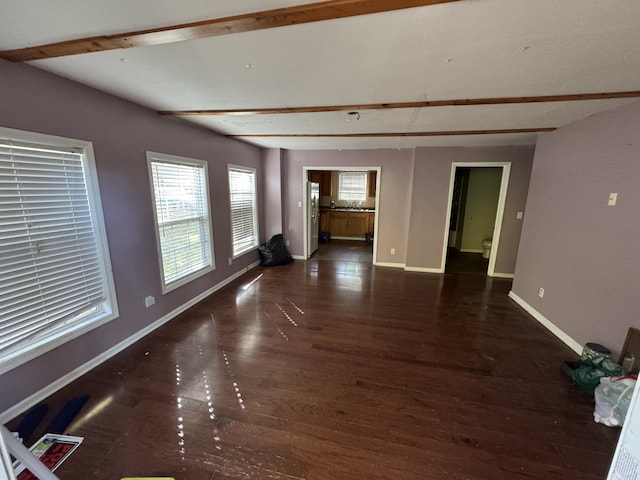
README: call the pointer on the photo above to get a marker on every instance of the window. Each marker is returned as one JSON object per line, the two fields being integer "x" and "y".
{"x": 55, "y": 273}
{"x": 352, "y": 186}
{"x": 244, "y": 215}
{"x": 183, "y": 224}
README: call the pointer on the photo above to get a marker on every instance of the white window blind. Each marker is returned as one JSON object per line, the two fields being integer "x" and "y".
{"x": 352, "y": 186}
{"x": 183, "y": 226}
{"x": 54, "y": 278}
{"x": 244, "y": 215}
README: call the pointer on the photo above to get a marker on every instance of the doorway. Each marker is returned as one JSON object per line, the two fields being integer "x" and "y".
{"x": 476, "y": 208}
{"x": 355, "y": 221}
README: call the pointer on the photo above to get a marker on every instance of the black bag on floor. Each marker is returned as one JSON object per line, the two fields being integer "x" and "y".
{"x": 274, "y": 252}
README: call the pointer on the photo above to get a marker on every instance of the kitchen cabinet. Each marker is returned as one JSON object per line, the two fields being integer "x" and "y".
{"x": 325, "y": 183}
{"x": 347, "y": 224}
{"x": 315, "y": 176}
{"x": 323, "y": 177}
{"x": 371, "y": 183}
{"x": 324, "y": 221}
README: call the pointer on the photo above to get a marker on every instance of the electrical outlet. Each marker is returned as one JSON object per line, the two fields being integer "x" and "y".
{"x": 230, "y": 260}
{"x": 393, "y": 251}
{"x": 519, "y": 216}
{"x": 541, "y": 292}
{"x": 287, "y": 243}
{"x": 149, "y": 301}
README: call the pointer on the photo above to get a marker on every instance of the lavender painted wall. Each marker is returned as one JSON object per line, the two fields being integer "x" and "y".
{"x": 581, "y": 251}
{"x": 121, "y": 133}
{"x": 272, "y": 164}
{"x": 395, "y": 188}
{"x": 431, "y": 182}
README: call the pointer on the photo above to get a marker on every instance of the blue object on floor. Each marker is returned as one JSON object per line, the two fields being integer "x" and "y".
{"x": 64, "y": 418}
{"x": 31, "y": 420}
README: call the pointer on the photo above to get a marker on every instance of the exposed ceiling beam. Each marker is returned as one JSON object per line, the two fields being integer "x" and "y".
{"x": 314, "y": 12}
{"x": 445, "y": 133}
{"x": 398, "y": 105}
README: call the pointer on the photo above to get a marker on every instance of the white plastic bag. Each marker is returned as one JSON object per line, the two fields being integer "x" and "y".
{"x": 613, "y": 396}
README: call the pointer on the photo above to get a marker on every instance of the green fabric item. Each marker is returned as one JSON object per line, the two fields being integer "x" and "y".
{"x": 587, "y": 376}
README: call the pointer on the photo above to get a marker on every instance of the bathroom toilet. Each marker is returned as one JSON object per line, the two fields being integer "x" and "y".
{"x": 486, "y": 248}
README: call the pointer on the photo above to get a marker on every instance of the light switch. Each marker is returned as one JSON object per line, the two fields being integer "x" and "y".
{"x": 613, "y": 198}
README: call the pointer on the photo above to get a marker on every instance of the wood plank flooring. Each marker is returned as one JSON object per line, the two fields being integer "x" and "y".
{"x": 334, "y": 369}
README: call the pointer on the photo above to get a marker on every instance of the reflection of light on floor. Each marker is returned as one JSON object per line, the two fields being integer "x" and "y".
{"x": 235, "y": 384}
{"x": 92, "y": 413}
{"x": 348, "y": 276}
{"x": 211, "y": 410}
{"x": 295, "y": 306}
{"x": 284, "y": 335}
{"x": 248, "y": 285}
{"x": 286, "y": 315}
{"x": 181, "y": 448}
{"x": 240, "y": 296}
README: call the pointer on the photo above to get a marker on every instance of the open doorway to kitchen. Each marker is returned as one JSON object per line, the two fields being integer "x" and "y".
{"x": 476, "y": 207}
{"x": 348, "y": 207}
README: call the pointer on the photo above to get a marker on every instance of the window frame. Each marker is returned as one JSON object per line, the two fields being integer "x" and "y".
{"x": 256, "y": 241}
{"x": 364, "y": 188}
{"x": 109, "y": 306}
{"x": 166, "y": 158}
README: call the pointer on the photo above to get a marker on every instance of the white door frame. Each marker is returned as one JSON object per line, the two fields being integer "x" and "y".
{"x": 305, "y": 217}
{"x": 502, "y": 200}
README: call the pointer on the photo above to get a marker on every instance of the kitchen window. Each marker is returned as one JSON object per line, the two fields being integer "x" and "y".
{"x": 55, "y": 271}
{"x": 352, "y": 186}
{"x": 180, "y": 196}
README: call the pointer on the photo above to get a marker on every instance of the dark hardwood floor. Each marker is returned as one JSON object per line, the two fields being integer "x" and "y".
{"x": 465, "y": 262}
{"x": 334, "y": 369}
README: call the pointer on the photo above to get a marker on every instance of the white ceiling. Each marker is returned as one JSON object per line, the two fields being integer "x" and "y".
{"x": 461, "y": 50}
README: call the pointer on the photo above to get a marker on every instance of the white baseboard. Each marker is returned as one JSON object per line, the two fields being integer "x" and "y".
{"x": 388, "y": 264}
{"x": 423, "y": 270}
{"x": 471, "y": 250}
{"x": 299, "y": 257}
{"x": 502, "y": 275}
{"x": 61, "y": 382}
{"x": 359, "y": 239}
{"x": 570, "y": 342}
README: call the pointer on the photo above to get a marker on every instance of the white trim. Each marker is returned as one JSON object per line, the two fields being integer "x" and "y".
{"x": 392, "y": 265}
{"x": 471, "y": 250}
{"x": 502, "y": 275}
{"x": 61, "y": 382}
{"x": 299, "y": 257}
{"x": 497, "y": 229}
{"x": 360, "y": 239}
{"x": 570, "y": 342}
{"x": 423, "y": 269}
{"x": 502, "y": 199}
